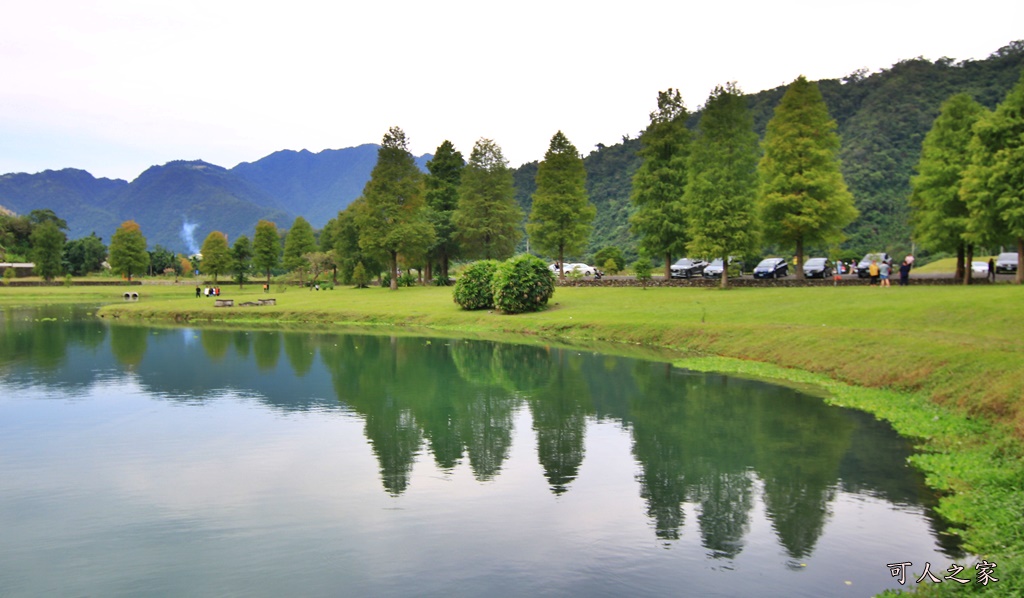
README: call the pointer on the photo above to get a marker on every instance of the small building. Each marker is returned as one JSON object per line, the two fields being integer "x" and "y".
{"x": 21, "y": 269}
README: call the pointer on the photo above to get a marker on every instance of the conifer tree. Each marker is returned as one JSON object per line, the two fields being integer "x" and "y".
{"x": 940, "y": 214}
{"x": 241, "y": 255}
{"x": 128, "y": 253}
{"x": 561, "y": 217}
{"x": 445, "y": 175}
{"x": 722, "y": 179}
{"x": 487, "y": 219}
{"x": 216, "y": 254}
{"x": 660, "y": 182}
{"x": 993, "y": 185}
{"x": 393, "y": 218}
{"x": 803, "y": 197}
{"x": 266, "y": 247}
{"x": 298, "y": 241}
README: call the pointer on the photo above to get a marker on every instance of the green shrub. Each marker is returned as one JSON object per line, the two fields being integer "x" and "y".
{"x": 521, "y": 284}
{"x": 67, "y": 280}
{"x": 9, "y": 275}
{"x": 443, "y": 281}
{"x": 385, "y": 281}
{"x": 473, "y": 289}
{"x": 406, "y": 279}
{"x": 611, "y": 267}
{"x": 643, "y": 268}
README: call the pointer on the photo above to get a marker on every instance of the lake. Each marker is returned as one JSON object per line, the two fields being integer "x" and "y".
{"x": 186, "y": 461}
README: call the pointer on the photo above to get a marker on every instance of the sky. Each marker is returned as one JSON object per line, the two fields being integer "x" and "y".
{"x": 114, "y": 87}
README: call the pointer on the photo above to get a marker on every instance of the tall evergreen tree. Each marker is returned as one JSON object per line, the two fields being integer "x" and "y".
{"x": 660, "y": 182}
{"x": 940, "y": 215}
{"x": 266, "y": 247}
{"x": 241, "y": 255}
{"x": 393, "y": 219}
{"x": 993, "y": 185}
{"x": 561, "y": 217}
{"x": 347, "y": 251}
{"x": 128, "y": 253}
{"x": 216, "y": 254}
{"x": 299, "y": 241}
{"x": 445, "y": 175}
{"x": 48, "y": 249}
{"x": 722, "y": 173}
{"x": 487, "y": 219}
{"x": 804, "y": 199}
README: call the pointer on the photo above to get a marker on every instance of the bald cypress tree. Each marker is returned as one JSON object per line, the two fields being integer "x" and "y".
{"x": 392, "y": 217}
{"x": 561, "y": 216}
{"x": 722, "y": 179}
{"x": 803, "y": 197}
{"x": 660, "y": 182}
{"x": 940, "y": 215}
{"x": 993, "y": 185}
{"x": 487, "y": 220}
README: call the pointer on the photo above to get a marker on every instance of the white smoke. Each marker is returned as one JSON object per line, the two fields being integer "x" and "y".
{"x": 188, "y": 230}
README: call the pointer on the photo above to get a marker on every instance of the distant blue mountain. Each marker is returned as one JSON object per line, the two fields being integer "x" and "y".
{"x": 179, "y": 203}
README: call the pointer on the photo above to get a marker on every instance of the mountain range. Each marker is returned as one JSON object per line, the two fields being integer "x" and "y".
{"x": 177, "y": 204}
{"x": 881, "y": 118}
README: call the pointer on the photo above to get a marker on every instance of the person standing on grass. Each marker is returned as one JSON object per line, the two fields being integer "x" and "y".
{"x": 991, "y": 270}
{"x": 904, "y": 273}
{"x": 883, "y": 273}
{"x": 873, "y": 272}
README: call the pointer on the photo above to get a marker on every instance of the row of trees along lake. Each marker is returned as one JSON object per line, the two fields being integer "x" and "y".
{"x": 713, "y": 190}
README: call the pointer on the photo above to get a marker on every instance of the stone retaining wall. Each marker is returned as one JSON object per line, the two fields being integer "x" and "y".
{"x": 759, "y": 282}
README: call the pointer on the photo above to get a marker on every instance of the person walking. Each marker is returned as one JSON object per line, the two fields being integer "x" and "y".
{"x": 199, "y": 291}
{"x": 991, "y": 270}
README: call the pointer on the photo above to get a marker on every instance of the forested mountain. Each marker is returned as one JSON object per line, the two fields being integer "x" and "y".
{"x": 882, "y": 119}
{"x": 74, "y": 195}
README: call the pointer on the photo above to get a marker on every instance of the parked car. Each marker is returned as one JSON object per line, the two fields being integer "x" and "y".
{"x": 714, "y": 269}
{"x": 772, "y": 267}
{"x": 818, "y": 267}
{"x": 687, "y": 268}
{"x": 877, "y": 256}
{"x": 568, "y": 267}
{"x": 1006, "y": 263}
{"x": 979, "y": 267}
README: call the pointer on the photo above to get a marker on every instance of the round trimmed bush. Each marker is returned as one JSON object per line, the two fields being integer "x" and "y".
{"x": 473, "y": 288}
{"x": 521, "y": 284}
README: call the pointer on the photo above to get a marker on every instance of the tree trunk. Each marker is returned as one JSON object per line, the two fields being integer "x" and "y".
{"x": 668, "y": 266}
{"x": 725, "y": 272}
{"x": 444, "y": 266}
{"x": 561, "y": 265}
{"x": 969, "y": 262}
{"x": 393, "y": 259}
{"x": 429, "y": 272}
{"x": 799, "y": 259}
{"x": 960, "y": 261}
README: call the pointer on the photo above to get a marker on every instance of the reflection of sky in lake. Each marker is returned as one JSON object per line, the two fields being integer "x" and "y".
{"x": 153, "y": 477}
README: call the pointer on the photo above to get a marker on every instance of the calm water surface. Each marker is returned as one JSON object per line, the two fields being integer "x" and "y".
{"x": 172, "y": 462}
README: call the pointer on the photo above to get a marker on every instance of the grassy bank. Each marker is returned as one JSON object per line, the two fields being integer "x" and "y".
{"x": 943, "y": 364}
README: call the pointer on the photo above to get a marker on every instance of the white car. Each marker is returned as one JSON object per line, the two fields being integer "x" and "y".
{"x": 570, "y": 266}
{"x": 979, "y": 267}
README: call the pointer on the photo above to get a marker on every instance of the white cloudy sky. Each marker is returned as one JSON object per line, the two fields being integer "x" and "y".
{"x": 116, "y": 86}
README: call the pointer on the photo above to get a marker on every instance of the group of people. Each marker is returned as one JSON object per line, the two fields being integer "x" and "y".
{"x": 208, "y": 292}
{"x": 880, "y": 272}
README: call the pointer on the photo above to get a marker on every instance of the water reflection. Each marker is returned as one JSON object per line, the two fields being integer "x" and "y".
{"x": 705, "y": 444}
